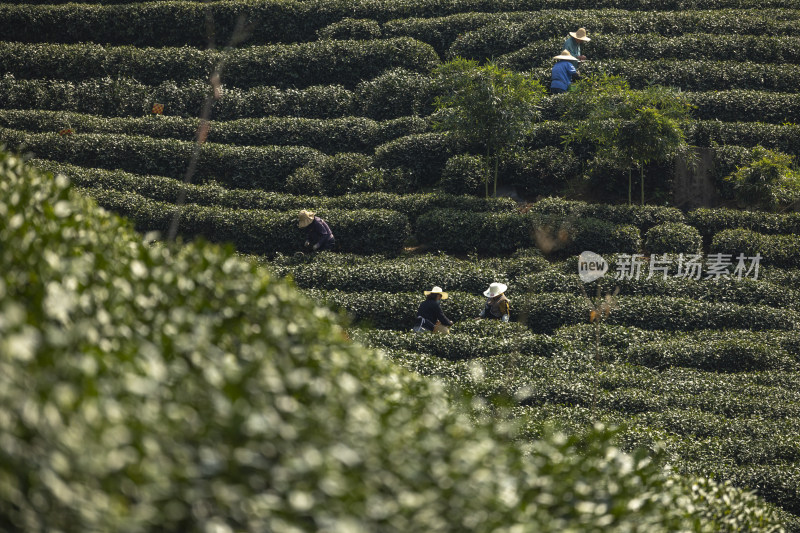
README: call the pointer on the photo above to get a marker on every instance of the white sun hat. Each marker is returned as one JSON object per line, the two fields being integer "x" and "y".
{"x": 580, "y": 35}
{"x": 495, "y": 289}
{"x": 437, "y": 290}
{"x": 566, "y": 55}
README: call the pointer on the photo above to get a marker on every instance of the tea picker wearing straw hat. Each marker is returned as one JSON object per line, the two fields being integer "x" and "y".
{"x": 563, "y": 73}
{"x": 497, "y": 305}
{"x": 573, "y": 44}
{"x": 430, "y": 311}
{"x": 320, "y": 236}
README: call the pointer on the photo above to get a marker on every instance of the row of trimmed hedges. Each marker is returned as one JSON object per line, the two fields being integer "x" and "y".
{"x": 620, "y": 339}
{"x": 746, "y": 291}
{"x": 783, "y": 137}
{"x": 643, "y": 217}
{"x": 165, "y": 189}
{"x": 285, "y": 66}
{"x": 545, "y": 163}
{"x": 459, "y": 232}
{"x": 393, "y": 94}
{"x": 611, "y": 28}
{"x": 258, "y": 231}
{"x": 456, "y": 345}
{"x": 689, "y": 46}
{"x": 247, "y": 167}
{"x": 711, "y": 221}
{"x": 729, "y": 105}
{"x": 351, "y": 134}
{"x": 775, "y": 250}
{"x": 546, "y": 312}
{"x": 697, "y": 75}
{"x": 167, "y": 23}
{"x": 409, "y": 274}
{"x": 725, "y": 355}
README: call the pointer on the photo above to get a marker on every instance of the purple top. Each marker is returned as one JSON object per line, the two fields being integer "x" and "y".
{"x": 319, "y": 232}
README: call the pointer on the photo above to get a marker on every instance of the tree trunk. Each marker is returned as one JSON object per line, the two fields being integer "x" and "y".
{"x": 496, "y": 163}
{"x": 630, "y": 186}
{"x": 488, "y": 167}
{"x": 641, "y": 170}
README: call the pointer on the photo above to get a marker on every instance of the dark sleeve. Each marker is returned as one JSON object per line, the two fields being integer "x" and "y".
{"x": 440, "y": 316}
{"x": 318, "y": 231}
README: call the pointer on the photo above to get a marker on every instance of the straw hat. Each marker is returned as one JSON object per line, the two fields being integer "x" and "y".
{"x": 566, "y": 55}
{"x": 580, "y": 35}
{"x": 305, "y": 218}
{"x": 495, "y": 289}
{"x": 437, "y": 290}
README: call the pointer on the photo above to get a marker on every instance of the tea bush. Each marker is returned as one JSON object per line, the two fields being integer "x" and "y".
{"x": 711, "y": 221}
{"x": 168, "y": 189}
{"x": 424, "y": 154}
{"x": 348, "y": 28}
{"x": 673, "y": 237}
{"x": 406, "y": 274}
{"x": 324, "y": 62}
{"x": 394, "y": 93}
{"x": 260, "y": 232}
{"x": 493, "y": 233}
{"x": 687, "y": 47}
{"x": 542, "y": 171}
{"x": 548, "y": 311}
{"x": 745, "y": 291}
{"x": 129, "y": 97}
{"x": 731, "y": 355}
{"x": 455, "y": 346}
{"x": 246, "y": 167}
{"x": 697, "y": 75}
{"x": 351, "y": 134}
{"x": 642, "y": 216}
{"x": 385, "y": 310}
{"x": 464, "y": 174}
{"x": 777, "y": 250}
{"x": 501, "y": 34}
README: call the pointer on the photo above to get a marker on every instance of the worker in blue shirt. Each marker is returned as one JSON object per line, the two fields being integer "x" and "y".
{"x": 573, "y": 44}
{"x": 563, "y": 73}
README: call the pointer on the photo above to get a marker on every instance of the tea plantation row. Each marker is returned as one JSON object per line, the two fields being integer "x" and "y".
{"x": 349, "y": 62}
{"x": 357, "y": 134}
{"x": 395, "y": 94}
{"x": 184, "y": 23}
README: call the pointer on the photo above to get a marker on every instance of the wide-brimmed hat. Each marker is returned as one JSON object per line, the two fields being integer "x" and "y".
{"x": 495, "y": 289}
{"x": 580, "y": 34}
{"x": 565, "y": 55}
{"x": 437, "y": 290}
{"x": 305, "y": 218}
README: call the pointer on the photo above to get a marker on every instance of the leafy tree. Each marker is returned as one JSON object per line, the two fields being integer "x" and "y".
{"x": 768, "y": 182}
{"x": 629, "y": 128}
{"x": 486, "y": 105}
